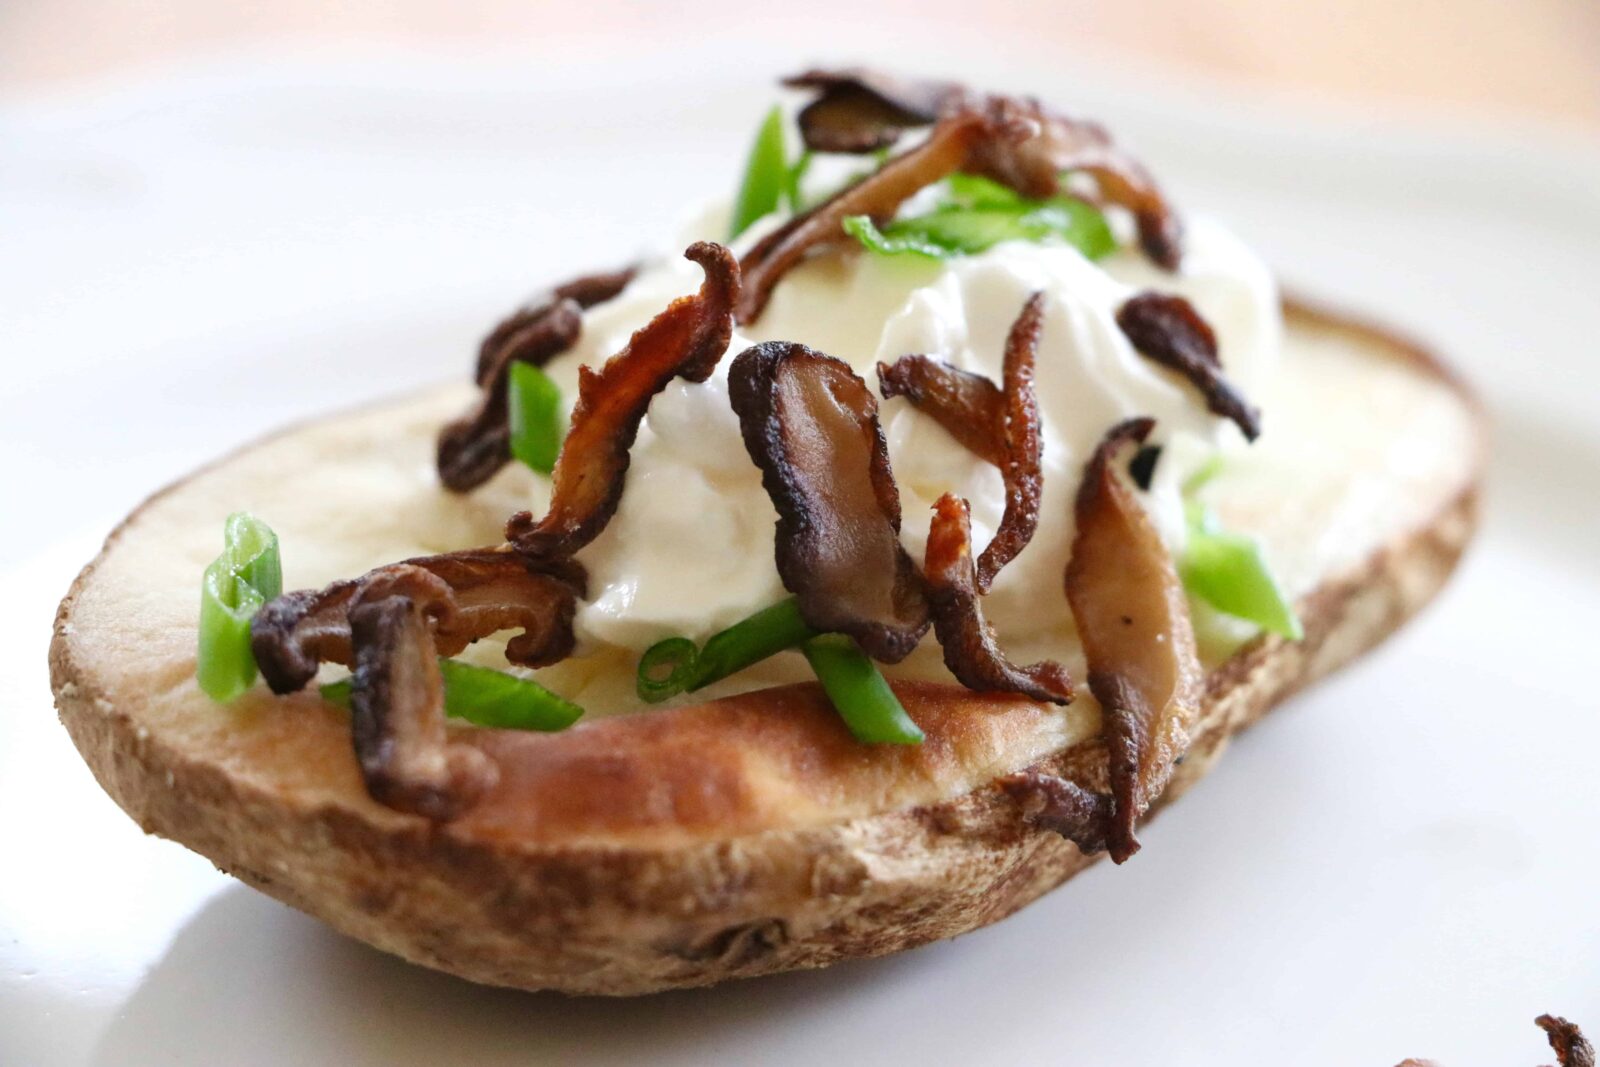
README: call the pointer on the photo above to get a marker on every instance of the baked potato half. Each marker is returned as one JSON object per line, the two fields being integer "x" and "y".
{"x": 742, "y": 836}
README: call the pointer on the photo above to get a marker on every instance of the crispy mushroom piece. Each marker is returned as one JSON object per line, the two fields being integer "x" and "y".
{"x": 397, "y": 698}
{"x": 510, "y": 336}
{"x": 859, "y": 110}
{"x": 1000, "y": 425}
{"x": 474, "y": 447}
{"x": 1063, "y": 806}
{"x": 492, "y": 589}
{"x": 686, "y": 340}
{"x": 1167, "y": 330}
{"x": 811, "y": 425}
{"x": 1133, "y": 620}
{"x": 966, "y": 404}
{"x": 879, "y": 195}
{"x": 1034, "y": 166}
{"x": 873, "y": 109}
{"x": 1567, "y": 1041}
{"x": 970, "y": 650}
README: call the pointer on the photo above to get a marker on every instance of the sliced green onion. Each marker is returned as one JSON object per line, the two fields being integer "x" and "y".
{"x": 1228, "y": 571}
{"x": 766, "y": 175}
{"x": 794, "y": 177}
{"x": 899, "y": 244}
{"x": 233, "y": 588}
{"x": 980, "y": 215}
{"x": 859, "y": 692}
{"x": 749, "y": 641}
{"x": 665, "y": 669}
{"x": 1203, "y": 475}
{"x": 535, "y": 417}
{"x": 486, "y": 697}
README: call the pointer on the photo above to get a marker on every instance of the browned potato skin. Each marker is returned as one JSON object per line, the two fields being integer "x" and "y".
{"x": 616, "y": 893}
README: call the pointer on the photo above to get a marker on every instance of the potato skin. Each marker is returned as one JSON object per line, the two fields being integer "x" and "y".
{"x": 621, "y": 919}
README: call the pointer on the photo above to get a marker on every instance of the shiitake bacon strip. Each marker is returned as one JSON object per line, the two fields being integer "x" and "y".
{"x": 859, "y": 110}
{"x": 507, "y": 341}
{"x": 397, "y": 698}
{"x": 879, "y": 195}
{"x": 1572, "y": 1049}
{"x": 1133, "y": 620}
{"x": 492, "y": 589}
{"x": 811, "y": 425}
{"x": 474, "y": 447}
{"x": 966, "y": 404}
{"x": 970, "y": 650}
{"x": 856, "y": 106}
{"x": 685, "y": 341}
{"x": 999, "y": 424}
{"x": 1167, "y": 329}
{"x": 1033, "y": 167}
{"x": 1024, "y": 481}
{"x": 1055, "y": 803}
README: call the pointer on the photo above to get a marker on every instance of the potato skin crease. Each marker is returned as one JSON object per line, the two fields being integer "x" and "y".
{"x": 634, "y": 877}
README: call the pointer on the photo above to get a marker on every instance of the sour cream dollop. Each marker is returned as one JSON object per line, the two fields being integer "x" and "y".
{"x": 690, "y": 550}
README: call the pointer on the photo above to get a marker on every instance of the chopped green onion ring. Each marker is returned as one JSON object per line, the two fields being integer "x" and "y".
{"x": 486, "y": 697}
{"x": 767, "y": 175}
{"x": 665, "y": 669}
{"x": 247, "y": 575}
{"x": 535, "y": 417}
{"x": 859, "y": 692}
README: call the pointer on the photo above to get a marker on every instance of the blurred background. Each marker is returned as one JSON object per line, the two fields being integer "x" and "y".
{"x": 1533, "y": 58}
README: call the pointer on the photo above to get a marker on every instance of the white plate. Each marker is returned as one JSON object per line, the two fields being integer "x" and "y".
{"x": 1403, "y": 862}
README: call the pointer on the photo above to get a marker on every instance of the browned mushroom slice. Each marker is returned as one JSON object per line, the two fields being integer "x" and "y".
{"x": 970, "y": 650}
{"x": 684, "y": 341}
{"x": 397, "y": 698}
{"x": 811, "y": 425}
{"x": 1168, "y": 330}
{"x": 859, "y": 110}
{"x": 879, "y": 195}
{"x": 475, "y": 446}
{"x": 968, "y": 405}
{"x": 1000, "y": 425}
{"x": 492, "y": 590}
{"x": 510, "y": 337}
{"x": 1572, "y": 1049}
{"x": 1023, "y": 480}
{"x": 1133, "y": 621}
{"x": 1064, "y": 806}
{"x": 1033, "y": 166}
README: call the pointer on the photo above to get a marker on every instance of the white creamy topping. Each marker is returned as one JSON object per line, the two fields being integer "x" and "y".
{"x": 690, "y": 549}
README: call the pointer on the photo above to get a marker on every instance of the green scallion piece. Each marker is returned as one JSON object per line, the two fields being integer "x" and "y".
{"x": 1228, "y": 571}
{"x": 486, "y": 697}
{"x": 749, "y": 641}
{"x": 665, "y": 669}
{"x": 977, "y": 214}
{"x": 535, "y": 417}
{"x": 904, "y": 241}
{"x": 859, "y": 692}
{"x": 794, "y": 179}
{"x": 233, "y": 588}
{"x": 767, "y": 175}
